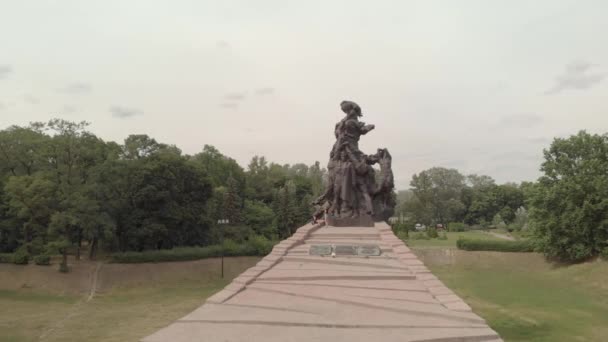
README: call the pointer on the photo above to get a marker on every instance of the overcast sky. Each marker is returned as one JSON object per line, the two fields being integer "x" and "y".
{"x": 481, "y": 86}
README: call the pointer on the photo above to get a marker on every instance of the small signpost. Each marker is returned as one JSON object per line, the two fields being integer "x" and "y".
{"x": 221, "y": 222}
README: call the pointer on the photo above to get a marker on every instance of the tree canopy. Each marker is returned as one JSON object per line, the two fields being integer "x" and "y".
{"x": 61, "y": 187}
{"x": 569, "y": 203}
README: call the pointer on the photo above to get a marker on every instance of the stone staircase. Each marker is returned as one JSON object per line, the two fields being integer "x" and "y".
{"x": 291, "y": 295}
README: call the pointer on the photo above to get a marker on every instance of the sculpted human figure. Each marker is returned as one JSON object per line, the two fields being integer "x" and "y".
{"x": 364, "y": 179}
{"x": 344, "y": 202}
{"x": 351, "y": 195}
{"x": 385, "y": 160}
{"x": 349, "y": 129}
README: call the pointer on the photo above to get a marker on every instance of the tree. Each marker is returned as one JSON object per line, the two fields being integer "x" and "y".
{"x": 32, "y": 199}
{"x": 286, "y": 210}
{"x": 316, "y": 174}
{"x": 137, "y": 146}
{"x": 437, "y": 194}
{"x": 21, "y": 150}
{"x": 484, "y": 199}
{"x": 62, "y": 188}
{"x": 259, "y": 185}
{"x": 232, "y": 202}
{"x": 521, "y": 219}
{"x": 260, "y": 217}
{"x": 569, "y": 204}
{"x": 156, "y": 202}
{"x": 219, "y": 168}
{"x": 480, "y": 181}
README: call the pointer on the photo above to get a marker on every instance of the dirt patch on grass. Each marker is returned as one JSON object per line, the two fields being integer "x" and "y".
{"x": 48, "y": 278}
{"x": 82, "y": 274}
{"x": 130, "y": 301}
{"x": 136, "y": 275}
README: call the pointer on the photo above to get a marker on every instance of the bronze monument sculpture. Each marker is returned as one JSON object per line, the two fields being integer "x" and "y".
{"x": 355, "y": 195}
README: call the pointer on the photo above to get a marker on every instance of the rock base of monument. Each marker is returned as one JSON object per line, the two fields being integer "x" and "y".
{"x": 359, "y": 221}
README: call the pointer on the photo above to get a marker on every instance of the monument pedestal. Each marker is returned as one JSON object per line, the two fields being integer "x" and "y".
{"x": 359, "y": 221}
{"x": 361, "y": 285}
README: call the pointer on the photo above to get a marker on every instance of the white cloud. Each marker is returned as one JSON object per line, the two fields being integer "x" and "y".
{"x": 578, "y": 75}
{"x": 124, "y": 112}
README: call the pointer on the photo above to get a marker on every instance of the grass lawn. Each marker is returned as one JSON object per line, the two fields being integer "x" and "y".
{"x": 451, "y": 240}
{"x": 124, "y": 313}
{"x": 525, "y": 298}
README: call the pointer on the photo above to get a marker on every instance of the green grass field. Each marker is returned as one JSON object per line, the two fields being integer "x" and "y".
{"x": 525, "y": 298}
{"x": 123, "y": 313}
{"x": 451, "y": 239}
{"x": 521, "y": 295}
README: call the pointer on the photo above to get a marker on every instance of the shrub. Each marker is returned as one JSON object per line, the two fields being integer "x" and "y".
{"x": 432, "y": 233}
{"x": 604, "y": 253}
{"x": 442, "y": 236}
{"x": 403, "y": 235}
{"x": 21, "y": 257}
{"x": 35, "y": 247}
{"x": 64, "y": 268}
{"x": 513, "y": 227}
{"x": 260, "y": 244}
{"x": 42, "y": 259}
{"x": 255, "y": 246}
{"x": 495, "y": 245}
{"x": 419, "y": 236}
{"x": 456, "y": 227}
{"x": 6, "y": 258}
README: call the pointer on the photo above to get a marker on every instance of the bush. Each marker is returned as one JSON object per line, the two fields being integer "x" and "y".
{"x": 419, "y": 236}
{"x": 442, "y": 236}
{"x": 42, "y": 260}
{"x": 6, "y": 258}
{"x": 403, "y": 235}
{"x": 431, "y": 232}
{"x": 21, "y": 257}
{"x": 400, "y": 227}
{"x": 35, "y": 247}
{"x": 495, "y": 245}
{"x": 256, "y": 246}
{"x": 456, "y": 227}
{"x": 64, "y": 268}
{"x": 261, "y": 244}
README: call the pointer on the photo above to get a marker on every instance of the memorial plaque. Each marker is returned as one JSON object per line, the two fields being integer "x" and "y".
{"x": 368, "y": 250}
{"x": 346, "y": 250}
{"x": 320, "y": 250}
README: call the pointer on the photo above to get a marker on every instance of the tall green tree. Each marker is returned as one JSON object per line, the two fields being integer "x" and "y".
{"x": 286, "y": 210}
{"x": 437, "y": 193}
{"x": 21, "y": 150}
{"x": 233, "y": 205}
{"x": 260, "y": 217}
{"x": 33, "y": 200}
{"x": 569, "y": 204}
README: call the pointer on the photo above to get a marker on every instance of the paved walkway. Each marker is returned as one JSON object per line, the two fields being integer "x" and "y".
{"x": 291, "y": 295}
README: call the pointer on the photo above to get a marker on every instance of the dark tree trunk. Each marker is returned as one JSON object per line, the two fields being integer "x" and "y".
{"x": 79, "y": 246}
{"x": 93, "y": 250}
{"x": 64, "y": 261}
